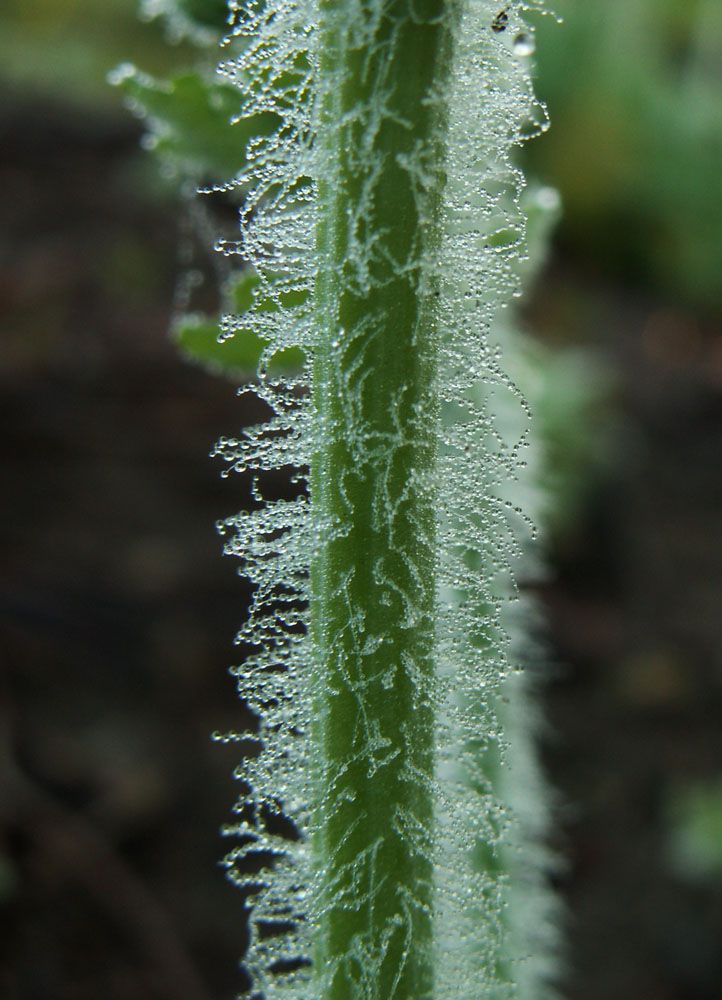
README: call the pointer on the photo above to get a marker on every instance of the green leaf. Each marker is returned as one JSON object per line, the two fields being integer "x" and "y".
{"x": 208, "y": 13}
{"x": 188, "y": 118}
{"x": 201, "y": 22}
{"x": 694, "y": 844}
{"x": 197, "y": 337}
{"x": 243, "y": 285}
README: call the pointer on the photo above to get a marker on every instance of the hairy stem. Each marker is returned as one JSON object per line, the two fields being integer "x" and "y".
{"x": 384, "y": 65}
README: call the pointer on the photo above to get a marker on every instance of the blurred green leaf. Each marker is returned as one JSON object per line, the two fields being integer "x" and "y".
{"x": 241, "y": 295}
{"x": 188, "y": 119}
{"x": 239, "y": 355}
{"x": 203, "y": 22}
{"x": 636, "y": 142}
{"x": 61, "y": 50}
{"x": 694, "y": 842}
{"x": 208, "y": 13}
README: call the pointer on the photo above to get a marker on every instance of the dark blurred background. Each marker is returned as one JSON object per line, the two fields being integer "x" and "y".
{"x": 118, "y": 613}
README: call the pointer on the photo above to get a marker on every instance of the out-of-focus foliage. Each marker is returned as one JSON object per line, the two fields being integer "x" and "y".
{"x": 60, "y": 50}
{"x": 634, "y": 89}
{"x": 694, "y": 843}
{"x": 569, "y": 395}
{"x": 239, "y": 355}
{"x": 190, "y": 17}
{"x": 188, "y": 119}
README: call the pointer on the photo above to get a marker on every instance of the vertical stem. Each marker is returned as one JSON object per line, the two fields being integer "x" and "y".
{"x": 383, "y": 69}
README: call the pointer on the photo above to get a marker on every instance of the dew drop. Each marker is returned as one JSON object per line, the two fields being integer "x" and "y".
{"x": 121, "y": 73}
{"x": 524, "y": 44}
{"x": 548, "y": 198}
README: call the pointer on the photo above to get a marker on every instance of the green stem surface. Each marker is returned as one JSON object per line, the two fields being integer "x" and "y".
{"x": 382, "y": 138}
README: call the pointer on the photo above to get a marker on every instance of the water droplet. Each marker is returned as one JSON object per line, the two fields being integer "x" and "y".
{"x": 123, "y": 72}
{"x": 548, "y": 198}
{"x": 524, "y": 44}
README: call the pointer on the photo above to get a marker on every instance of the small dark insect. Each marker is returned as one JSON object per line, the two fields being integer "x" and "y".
{"x": 501, "y": 21}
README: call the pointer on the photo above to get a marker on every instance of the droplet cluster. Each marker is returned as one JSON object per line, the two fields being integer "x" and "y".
{"x": 484, "y": 787}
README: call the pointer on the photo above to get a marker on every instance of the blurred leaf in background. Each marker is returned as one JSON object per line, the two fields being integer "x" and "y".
{"x": 62, "y": 49}
{"x": 694, "y": 831}
{"x": 635, "y": 93}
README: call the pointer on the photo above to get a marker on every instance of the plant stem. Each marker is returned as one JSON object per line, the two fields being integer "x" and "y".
{"x": 384, "y": 64}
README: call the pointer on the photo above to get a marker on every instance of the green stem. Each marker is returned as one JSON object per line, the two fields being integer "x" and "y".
{"x": 383, "y": 70}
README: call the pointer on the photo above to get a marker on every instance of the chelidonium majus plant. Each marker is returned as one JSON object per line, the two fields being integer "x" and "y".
{"x": 390, "y": 811}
